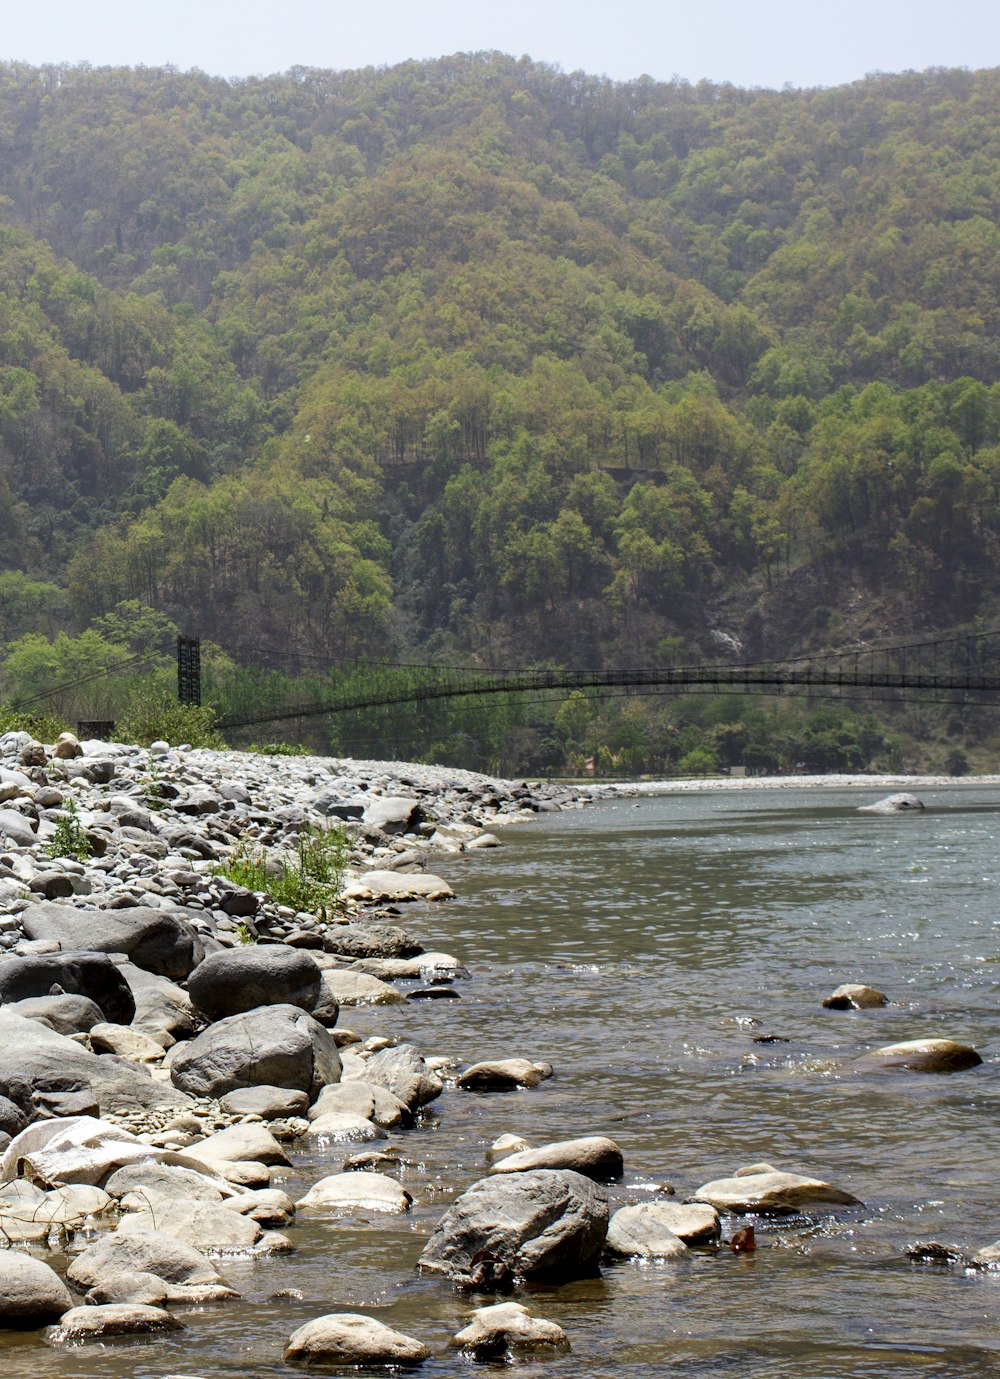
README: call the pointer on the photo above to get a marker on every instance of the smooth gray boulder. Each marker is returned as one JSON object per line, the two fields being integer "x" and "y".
{"x": 208, "y": 1226}
{"x": 160, "y": 941}
{"x": 246, "y": 1142}
{"x": 772, "y": 1193}
{"x": 349, "y": 1339}
{"x": 496, "y": 1334}
{"x": 370, "y": 941}
{"x": 163, "y": 1180}
{"x": 369, "y": 1191}
{"x": 235, "y": 980}
{"x": 279, "y": 1046}
{"x": 31, "y": 1293}
{"x": 270, "y": 1103}
{"x": 343, "y": 986}
{"x": 639, "y": 1233}
{"x": 104, "y": 1321}
{"x": 393, "y": 885}
{"x": 593, "y": 1155}
{"x": 76, "y": 972}
{"x": 66, "y": 1014}
{"x": 403, "y": 1072}
{"x": 49, "y": 1074}
{"x": 128, "y": 1287}
{"x": 16, "y": 826}
{"x": 543, "y": 1224}
{"x": 187, "y": 1273}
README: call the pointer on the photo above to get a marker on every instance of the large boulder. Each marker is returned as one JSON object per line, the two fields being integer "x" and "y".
{"x": 543, "y": 1224}
{"x": 188, "y": 1274}
{"x": 90, "y": 974}
{"x": 403, "y": 1072}
{"x": 348, "y": 1339}
{"x": 235, "y": 980}
{"x": 65, "y": 1014}
{"x": 370, "y": 941}
{"x": 205, "y": 1225}
{"x": 278, "y": 1046}
{"x": 45, "y": 1073}
{"x": 31, "y": 1293}
{"x": 161, "y": 941}
{"x": 393, "y": 885}
{"x": 78, "y": 1149}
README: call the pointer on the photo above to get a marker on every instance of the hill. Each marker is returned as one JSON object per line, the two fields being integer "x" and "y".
{"x": 475, "y": 360}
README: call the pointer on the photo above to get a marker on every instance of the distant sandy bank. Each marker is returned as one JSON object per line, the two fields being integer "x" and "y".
{"x": 832, "y": 782}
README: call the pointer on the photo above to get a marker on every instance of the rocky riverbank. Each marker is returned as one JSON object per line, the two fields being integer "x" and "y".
{"x": 173, "y": 1044}
{"x": 168, "y": 1035}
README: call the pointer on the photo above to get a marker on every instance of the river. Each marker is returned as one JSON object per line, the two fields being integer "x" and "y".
{"x": 642, "y": 947}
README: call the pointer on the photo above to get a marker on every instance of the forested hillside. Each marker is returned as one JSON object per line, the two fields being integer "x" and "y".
{"x": 475, "y": 361}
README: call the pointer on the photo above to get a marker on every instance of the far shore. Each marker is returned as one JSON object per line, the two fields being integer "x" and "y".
{"x": 705, "y": 784}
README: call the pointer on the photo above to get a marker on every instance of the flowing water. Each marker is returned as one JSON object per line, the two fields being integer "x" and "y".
{"x": 642, "y": 947}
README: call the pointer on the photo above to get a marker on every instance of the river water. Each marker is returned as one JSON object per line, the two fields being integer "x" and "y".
{"x": 642, "y": 947}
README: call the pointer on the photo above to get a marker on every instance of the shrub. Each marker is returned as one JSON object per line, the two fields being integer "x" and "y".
{"x": 153, "y": 716}
{"x": 43, "y": 727}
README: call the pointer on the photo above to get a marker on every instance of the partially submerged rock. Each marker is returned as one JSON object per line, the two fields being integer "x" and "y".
{"x": 347, "y": 1338}
{"x": 855, "y": 996}
{"x": 770, "y": 1192}
{"x": 503, "y": 1075}
{"x": 596, "y": 1156}
{"x": 497, "y": 1333}
{"x": 31, "y": 1292}
{"x": 924, "y": 1056}
{"x": 638, "y": 1232}
{"x": 346, "y": 1191}
{"x": 893, "y": 804}
{"x": 391, "y": 885}
{"x": 99, "y": 1323}
{"x": 188, "y": 1274}
{"x": 540, "y": 1224}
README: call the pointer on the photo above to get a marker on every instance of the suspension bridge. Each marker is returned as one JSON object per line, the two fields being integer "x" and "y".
{"x": 953, "y": 670}
{"x": 961, "y": 668}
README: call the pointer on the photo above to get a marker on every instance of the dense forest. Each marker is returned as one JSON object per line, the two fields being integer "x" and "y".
{"x": 476, "y": 362}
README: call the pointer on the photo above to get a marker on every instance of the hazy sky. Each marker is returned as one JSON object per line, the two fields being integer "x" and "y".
{"x": 749, "y": 42}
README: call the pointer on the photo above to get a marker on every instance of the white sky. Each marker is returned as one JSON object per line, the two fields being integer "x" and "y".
{"x": 748, "y": 42}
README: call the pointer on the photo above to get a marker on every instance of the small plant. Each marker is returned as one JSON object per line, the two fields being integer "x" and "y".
{"x": 244, "y": 934}
{"x": 279, "y": 749}
{"x": 70, "y": 838}
{"x": 312, "y": 883}
{"x": 155, "y": 798}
